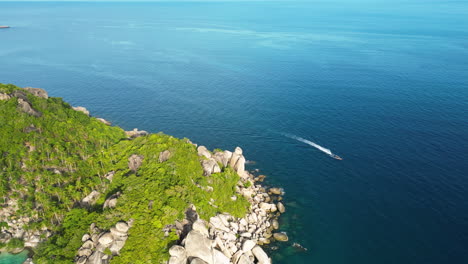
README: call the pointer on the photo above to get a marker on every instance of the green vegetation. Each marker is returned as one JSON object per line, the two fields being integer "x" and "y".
{"x": 50, "y": 163}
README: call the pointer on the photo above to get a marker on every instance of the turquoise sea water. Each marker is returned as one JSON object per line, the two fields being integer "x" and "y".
{"x": 382, "y": 84}
{"x": 6, "y": 258}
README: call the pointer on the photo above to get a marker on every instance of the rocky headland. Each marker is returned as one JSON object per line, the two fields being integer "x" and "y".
{"x": 220, "y": 238}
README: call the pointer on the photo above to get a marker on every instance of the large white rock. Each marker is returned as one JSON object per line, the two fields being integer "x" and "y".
{"x": 248, "y": 245}
{"x": 197, "y": 245}
{"x": 203, "y": 151}
{"x": 4, "y": 96}
{"x": 200, "y": 226}
{"x": 217, "y": 223}
{"x": 219, "y": 257}
{"x": 260, "y": 255}
{"x": 178, "y": 255}
{"x": 118, "y": 245}
{"x": 210, "y": 166}
{"x": 122, "y": 227}
{"x": 106, "y": 239}
{"x": 81, "y": 109}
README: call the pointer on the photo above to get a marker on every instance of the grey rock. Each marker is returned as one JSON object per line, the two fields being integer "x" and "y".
{"x": 275, "y": 224}
{"x": 117, "y": 246}
{"x": 85, "y": 237}
{"x": 238, "y": 150}
{"x": 26, "y": 107}
{"x": 200, "y": 226}
{"x": 117, "y": 234}
{"x": 134, "y": 162}
{"x": 106, "y": 239}
{"x": 37, "y": 92}
{"x": 248, "y": 245}
{"x": 81, "y": 109}
{"x": 4, "y": 96}
{"x": 281, "y": 237}
{"x": 203, "y": 151}
{"x": 219, "y": 257}
{"x": 85, "y": 252}
{"x": 197, "y": 261}
{"x": 88, "y": 244}
{"x": 164, "y": 156}
{"x": 110, "y": 175}
{"x": 110, "y": 203}
{"x": 197, "y": 245}
{"x": 240, "y": 167}
{"x": 136, "y": 133}
{"x": 122, "y": 227}
{"x": 218, "y": 223}
{"x": 243, "y": 259}
{"x": 277, "y": 191}
{"x": 178, "y": 255}
{"x": 105, "y": 122}
{"x": 80, "y": 260}
{"x": 210, "y": 166}
{"x": 91, "y": 198}
{"x": 95, "y": 258}
{"x": 281, "y": 207}
{"x": 260, "y": 255}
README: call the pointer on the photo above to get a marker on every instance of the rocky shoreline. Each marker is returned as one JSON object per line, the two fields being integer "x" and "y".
{"x": 224, "y": 238}
{"x": 221, "y": 239}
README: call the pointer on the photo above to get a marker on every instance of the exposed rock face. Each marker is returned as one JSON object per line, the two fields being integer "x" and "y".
{"x": 203, "y": 151}
{"x": 211, "y": 162}
{"x": 102, "y": 120}
{"x": 111, "y": 202}
{"x": 95, "y": 244}
{"x": 4, "y": 96}
{"x": 228, "y": 239}
{"x": 199, "y": 246}
{"x": 37, "y": 92}
{"x": 280, "y": 236}
{"x": 164, "y": 156}
{"x": 136, "y": 133}
{"x": 81, "y": 109}
{"x": 178, "y": 255}
{"x": 110, "y": 175}
{"x": 210, "y": 166}
{"x": 277, "y": 191}
{"x": 281, "y": 207}
{"x": 26, "y": 107}
{"x": 260, "y": 255}
{"x": 134, "y": 162}
{"x": 91, "y": 198}
{"x": 15, "y": 227}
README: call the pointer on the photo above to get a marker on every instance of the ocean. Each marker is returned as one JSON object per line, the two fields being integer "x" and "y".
{"x": 382, "y": 84}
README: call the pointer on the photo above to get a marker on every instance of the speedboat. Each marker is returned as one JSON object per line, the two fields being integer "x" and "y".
{"x": 336, "y": 157}
{"x": 4, "y": 26}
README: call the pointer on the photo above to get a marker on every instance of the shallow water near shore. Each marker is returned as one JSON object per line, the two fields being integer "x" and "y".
{"x": 383, "y": 85}
{"x": 6, "y": 258}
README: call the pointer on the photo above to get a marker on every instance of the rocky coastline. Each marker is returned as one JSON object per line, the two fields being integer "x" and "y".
{"x": 221, "y": 239}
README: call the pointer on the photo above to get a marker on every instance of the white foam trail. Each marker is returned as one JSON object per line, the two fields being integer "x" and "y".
{"x": 308, "y": 142}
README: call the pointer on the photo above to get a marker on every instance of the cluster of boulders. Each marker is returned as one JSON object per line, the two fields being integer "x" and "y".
{"x": 135, "y": 133}
{"x": 13, "y": 227}
{"x": 99, "y": 246}
{"x": 224, "y": 238}
{"x": 24, "y": 103}
{"x": 213, "y": 163}
{"x": 86, "y": 112}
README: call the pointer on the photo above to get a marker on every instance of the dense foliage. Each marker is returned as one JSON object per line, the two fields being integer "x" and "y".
{"x": 49, "y": 163}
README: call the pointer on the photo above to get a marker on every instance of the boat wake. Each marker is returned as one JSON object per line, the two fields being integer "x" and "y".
{"x": 317, "y": 146}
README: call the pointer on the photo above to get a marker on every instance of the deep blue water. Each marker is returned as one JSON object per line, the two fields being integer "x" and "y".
{"x": 382, "y": 84}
